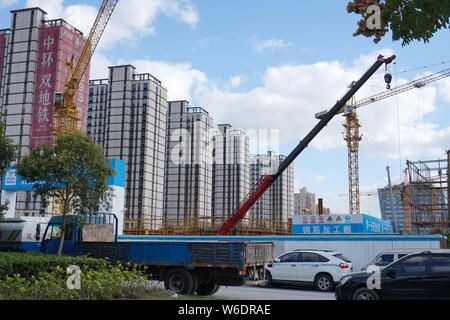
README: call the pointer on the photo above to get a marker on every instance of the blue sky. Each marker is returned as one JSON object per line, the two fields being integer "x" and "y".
{"x": 264, "y": 64}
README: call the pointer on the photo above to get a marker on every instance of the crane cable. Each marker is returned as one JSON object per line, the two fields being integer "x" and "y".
{"x": 398, "y": 123}
{"x": 415, "y": 69}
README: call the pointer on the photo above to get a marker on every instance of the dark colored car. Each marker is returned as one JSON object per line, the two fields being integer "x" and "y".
{"x": 420, "y": 276}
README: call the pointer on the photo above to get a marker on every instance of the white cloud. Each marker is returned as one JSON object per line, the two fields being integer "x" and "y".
{"x": 7, "y": 3}
{"x": 131, "y": 18}
{"x": 181, "y": 80}
{"x": 319, "y": 179}
{"x": 444, "y": 86}
{"x": 290, "y": 95}
{"x": 274, "y": 44}
{"x": 236, "y": 81}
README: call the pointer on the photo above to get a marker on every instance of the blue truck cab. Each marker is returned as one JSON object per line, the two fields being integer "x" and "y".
{"x": 185, "y": 267}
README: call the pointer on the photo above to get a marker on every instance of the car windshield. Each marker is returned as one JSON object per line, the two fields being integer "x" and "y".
{"x": 342, "y": 257}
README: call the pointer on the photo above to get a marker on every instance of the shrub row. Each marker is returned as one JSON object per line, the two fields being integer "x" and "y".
{"x": 31, "y": 264}
{"x": 44, "y": 277}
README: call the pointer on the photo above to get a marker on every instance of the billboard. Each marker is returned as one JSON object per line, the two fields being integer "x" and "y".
{"x": 339, "y": 224}
{"x": 58, "y": 44}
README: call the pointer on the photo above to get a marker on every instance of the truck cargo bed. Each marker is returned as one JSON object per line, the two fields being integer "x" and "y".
{"x": 238, "y": 255}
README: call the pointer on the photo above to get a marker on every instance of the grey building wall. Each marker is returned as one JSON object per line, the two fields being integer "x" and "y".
{"x": 17, "y": 89}
{"x": 393, "y": 213}
{"x": 127, "y": 116}
{"x": 278, "y": 202}
{"x": 188, "y": 177}
{"x": 305, "y": 202}
{"x": 230, "y": 170}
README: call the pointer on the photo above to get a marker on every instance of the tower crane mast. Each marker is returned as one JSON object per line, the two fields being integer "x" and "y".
{"x": 66, "y": 114}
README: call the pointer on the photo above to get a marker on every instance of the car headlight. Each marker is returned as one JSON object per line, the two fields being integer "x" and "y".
{"x": 345, "y": 279}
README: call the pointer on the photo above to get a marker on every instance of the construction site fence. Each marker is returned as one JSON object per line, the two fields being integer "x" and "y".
{"x": 204, "y": 226}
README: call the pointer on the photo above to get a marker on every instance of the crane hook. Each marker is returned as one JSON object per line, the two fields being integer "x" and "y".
{"x": 388, "y": 80}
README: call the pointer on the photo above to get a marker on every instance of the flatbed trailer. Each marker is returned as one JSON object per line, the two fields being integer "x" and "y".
{"x": 185, "y": 267}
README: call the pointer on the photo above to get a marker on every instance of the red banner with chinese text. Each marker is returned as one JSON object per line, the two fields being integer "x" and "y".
{"x": 57, "y": 45}
{"x": 45, "y": 87}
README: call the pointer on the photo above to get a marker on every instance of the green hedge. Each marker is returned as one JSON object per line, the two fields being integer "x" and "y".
{"x": 26, "y": 276}
{"x": 31, "y": 264}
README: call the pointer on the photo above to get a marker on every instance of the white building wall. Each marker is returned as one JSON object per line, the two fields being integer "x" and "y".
{"x": 278, "y": 202}
{"x": 230, "y": 170}
{"x": 188, "y": 176}
{"x": 17, "y": 91}
{"x": 127, "y": 117}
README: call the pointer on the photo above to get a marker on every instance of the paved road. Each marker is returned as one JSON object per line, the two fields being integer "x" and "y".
{"x": 280, "y": 293}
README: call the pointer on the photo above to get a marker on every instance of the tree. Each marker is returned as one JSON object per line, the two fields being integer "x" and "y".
{"x": 408, "y": 20}
{"x": 73, "y": 172}
{"x": 8, "y": 154}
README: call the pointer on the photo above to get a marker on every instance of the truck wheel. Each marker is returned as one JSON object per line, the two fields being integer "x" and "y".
{"x": 179, "y": 281}
{"x": 208, "y": 288}
{"x": 269, "y": 280}
{"x": 324, "y": 282}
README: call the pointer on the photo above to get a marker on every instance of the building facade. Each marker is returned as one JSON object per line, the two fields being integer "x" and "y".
{"x": 392, "y": 212}
{"x": 304, "y": 202}
{"x": 188, "y": 178}
{"x": 127, "y": 116}
{"x": 33, "y": 56}
{"x": 277, "y": 204}
{"x": 230, "y": 171}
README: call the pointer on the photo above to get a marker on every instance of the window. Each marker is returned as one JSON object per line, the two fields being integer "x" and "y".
{"x": 401, "y": 256}
{"x": 54, "y": 232}
{"x": 342, "y": 257}
{"x": 308, "y": 257}
{"x": 440, "y": 263}
{"x": 412, "y": 266}
{"x": 385, "y": 259}
{"x": 290, "y": 257}
{"x": 322, "y": 258}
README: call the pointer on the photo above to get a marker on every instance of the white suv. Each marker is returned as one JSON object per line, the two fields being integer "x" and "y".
{"x": 322, "y": 268}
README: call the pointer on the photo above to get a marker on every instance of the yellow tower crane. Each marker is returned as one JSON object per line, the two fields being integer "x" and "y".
{"x": 66, "y": 114}
{"x": 353, "y": 138}
{"x": 352, "y": 135}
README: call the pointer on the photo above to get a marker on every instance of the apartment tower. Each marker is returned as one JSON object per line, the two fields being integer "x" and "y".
{"x": 33, "y": 56}
{"x": 188, "y": 178}
{"x": 277, "y": 204}
{"x": 230, "y": 171}
{"x": 127, "y": 117}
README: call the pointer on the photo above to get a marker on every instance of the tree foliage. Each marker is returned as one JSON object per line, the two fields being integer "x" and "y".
{"x": 409, "y": 20}
{"x": 73, "y": 172}
{"x": 8, "y": 154}
{"x": 8, "y": 149}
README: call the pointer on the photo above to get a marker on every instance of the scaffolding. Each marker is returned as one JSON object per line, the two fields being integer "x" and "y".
{"x": 425, "y": 197}
{"x": 205, "y": 226}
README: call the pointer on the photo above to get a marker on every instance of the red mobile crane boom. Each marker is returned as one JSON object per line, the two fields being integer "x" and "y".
{"x": 267, "y": 180}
